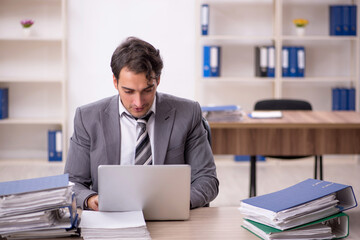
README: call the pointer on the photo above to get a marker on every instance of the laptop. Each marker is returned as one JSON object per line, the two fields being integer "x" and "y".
{"x": 162, "y": 192}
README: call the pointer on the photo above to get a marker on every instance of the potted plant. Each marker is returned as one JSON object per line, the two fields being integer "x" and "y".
{"x": 26, "y": 24}
{"x": 300, "y": 24}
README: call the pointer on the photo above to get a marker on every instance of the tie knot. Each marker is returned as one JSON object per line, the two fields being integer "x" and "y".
{"x": 145, "y": 118}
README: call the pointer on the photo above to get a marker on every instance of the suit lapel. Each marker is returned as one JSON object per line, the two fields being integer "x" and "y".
{"x": 164, "y": 121}
{"x": 111, "y": 126}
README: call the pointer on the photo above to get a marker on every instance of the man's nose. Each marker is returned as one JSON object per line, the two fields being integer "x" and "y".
{"x": 138, "y": 100}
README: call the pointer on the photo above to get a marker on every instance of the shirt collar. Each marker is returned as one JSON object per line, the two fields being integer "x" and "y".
{"x": 123, "y": 110}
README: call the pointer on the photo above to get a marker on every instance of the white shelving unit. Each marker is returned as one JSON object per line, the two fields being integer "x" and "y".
{"x": 240, "y": 25}
{"x": 34, "y": 68}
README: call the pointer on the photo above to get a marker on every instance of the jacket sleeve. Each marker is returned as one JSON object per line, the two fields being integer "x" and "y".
{"x": 78, "y": 161}
{"x": 198, "y": 153}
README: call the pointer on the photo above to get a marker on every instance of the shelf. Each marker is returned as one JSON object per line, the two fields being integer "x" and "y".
{"x": 237, "y": 79}
{"x": 32, "y": 39}
{"x": 238, "y": 27}
{"x": 319, "y": 79}
{"x": 236, "y": 37}
{"x": 319, "y": 38}
{"x": 22, "y": 79}
{"x": 31, "y": 121}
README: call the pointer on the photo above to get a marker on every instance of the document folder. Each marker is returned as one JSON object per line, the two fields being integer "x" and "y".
{"x": 301, "y": 203}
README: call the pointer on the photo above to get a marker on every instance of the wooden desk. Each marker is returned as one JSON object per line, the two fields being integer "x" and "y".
{"x": 297, "y": 133}
{"x": 205, "y": 223}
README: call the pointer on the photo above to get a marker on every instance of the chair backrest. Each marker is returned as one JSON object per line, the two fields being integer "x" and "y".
{"x": 282, "y": 104}
{"x": 207, "y": 128}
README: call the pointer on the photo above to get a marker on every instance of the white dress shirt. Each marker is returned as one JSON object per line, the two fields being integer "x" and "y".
{"x": 129, "y": 131}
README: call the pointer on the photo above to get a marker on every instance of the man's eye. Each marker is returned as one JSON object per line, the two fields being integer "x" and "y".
{"x": 128, "y": 92}
{"x": 149, "y": 90}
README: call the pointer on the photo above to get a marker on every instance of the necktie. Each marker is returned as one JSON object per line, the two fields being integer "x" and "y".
{"x": 143, "y": 147}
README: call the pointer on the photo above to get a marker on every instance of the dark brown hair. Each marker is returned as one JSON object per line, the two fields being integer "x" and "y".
{"x": 139, "y": 57}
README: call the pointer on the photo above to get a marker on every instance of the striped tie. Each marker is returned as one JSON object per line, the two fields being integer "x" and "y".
{"x": 143, "y": 146}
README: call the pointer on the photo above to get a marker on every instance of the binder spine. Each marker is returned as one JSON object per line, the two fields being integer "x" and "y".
{"x": 335, "y": 99}
{"x": 336, "y": 28}
{"x": 54, "y": 145}
{"x": 353, "y": 20}
{"x": 271, "y": 61}
{"x": 293, "y": 64}
{"x": 285, "y": 61}
{"x": 300, "y": 61}
{"x": 4, "y": 103}
{"x": 204, "y": 19}
{"x": 351, "y": 99}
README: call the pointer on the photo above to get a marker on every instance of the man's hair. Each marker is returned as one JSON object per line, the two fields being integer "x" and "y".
{"x": 139, "y": 57}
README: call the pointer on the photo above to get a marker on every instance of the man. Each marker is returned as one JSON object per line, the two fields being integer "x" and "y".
{"x": 105, "y": 132}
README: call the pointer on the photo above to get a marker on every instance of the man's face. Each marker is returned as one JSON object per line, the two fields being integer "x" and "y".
{"x": 137, "y": 93}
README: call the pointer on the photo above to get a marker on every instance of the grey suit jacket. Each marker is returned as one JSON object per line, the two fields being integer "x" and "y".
{"x": 179, "y": 138}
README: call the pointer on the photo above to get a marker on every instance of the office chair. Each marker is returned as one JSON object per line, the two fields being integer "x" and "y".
{"x": 207, "y": 128}
{"x": 282, "y": 104}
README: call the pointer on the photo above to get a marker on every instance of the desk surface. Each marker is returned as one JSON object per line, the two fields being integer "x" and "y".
{"x": 298, "y": 119}
{"x": 296, "y": 133}
{"x": 204, "y": 223}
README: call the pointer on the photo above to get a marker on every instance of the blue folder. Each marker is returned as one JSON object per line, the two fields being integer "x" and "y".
{"x": 304, "y": 192}
{"x": 34, "y": 184}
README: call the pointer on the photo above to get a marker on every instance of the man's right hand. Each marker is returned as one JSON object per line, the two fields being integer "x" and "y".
{"x": 93, "y": 202}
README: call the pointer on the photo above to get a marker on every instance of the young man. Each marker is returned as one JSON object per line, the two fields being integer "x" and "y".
{"x": 106, "y": 132}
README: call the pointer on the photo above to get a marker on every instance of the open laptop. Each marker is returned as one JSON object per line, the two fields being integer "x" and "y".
{"x": 162, "y": 192}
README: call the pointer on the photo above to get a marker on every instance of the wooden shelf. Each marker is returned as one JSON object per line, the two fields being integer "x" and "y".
{"x": 32, "y": 121}
{"x": 239, "y": 26}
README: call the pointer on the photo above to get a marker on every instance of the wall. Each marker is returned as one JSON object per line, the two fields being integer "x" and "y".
{"x": 95, "y": 28}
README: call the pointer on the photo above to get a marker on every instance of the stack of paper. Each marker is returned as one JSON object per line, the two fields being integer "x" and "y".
{"x": 37, "y": 207}
{"x": 266, "y": 114}
{"x": 113, "y": 225}
{"x": 300, "y": 207}
{"x": 226, "y": 113}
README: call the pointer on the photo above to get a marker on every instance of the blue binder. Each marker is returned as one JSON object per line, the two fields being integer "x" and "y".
{"x": 293, "y": 62}
{"x": 211, "y": 66}
{"x": 34, "y": 184}
{"x": 335, "y": 99}
{"x": 54, "y": 145}
{"x": 204, "y": 19}
{"x": 220, "y": 108}
{"x": 343, "y": 99}
{"x": 4, "y": 103}
{"x": 345, "y": 20}
{"x": 351, "y": 99}
{"x": 353, "y": 20}
{"x": 300, "y": 52}
{"x": 271, "y": 61}
{"x": 336, "y": 16}
{"x": 285, "y": 62}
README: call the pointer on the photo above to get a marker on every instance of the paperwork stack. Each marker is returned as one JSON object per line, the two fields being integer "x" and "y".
{"x": 113, "y": 225}
{"x": 311, "y": 209}
{"x": 226, "y": 113}
{"x": 38, "y": 207}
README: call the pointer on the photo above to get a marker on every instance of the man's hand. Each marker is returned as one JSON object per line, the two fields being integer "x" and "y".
{"x": 93, "y": 202}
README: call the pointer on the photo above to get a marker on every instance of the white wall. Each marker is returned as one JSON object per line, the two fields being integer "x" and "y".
{"x": 96, "y": 28}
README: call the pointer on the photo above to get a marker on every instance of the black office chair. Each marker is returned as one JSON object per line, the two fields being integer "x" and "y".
{"x": 207, "y": 128}
{"x": 282, "y": 104}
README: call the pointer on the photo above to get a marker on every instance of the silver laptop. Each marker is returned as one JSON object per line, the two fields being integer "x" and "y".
{"x": 162, "y": 192}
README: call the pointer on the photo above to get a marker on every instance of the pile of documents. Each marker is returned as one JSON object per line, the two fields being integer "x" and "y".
{"x": 38, "y": 208}
{"x": 113, "y": 225}
{"x": 226, "y": 113}
{"x": 311, "y": 209}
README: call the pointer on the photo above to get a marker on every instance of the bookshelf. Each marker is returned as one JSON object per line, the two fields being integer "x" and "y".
{"x": 240, "y": 25}
{"x": 34, "y": 68}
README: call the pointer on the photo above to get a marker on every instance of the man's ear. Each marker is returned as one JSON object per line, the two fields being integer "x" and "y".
{"x": 158, "y": 81}
{"x": 115, "y": 82}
